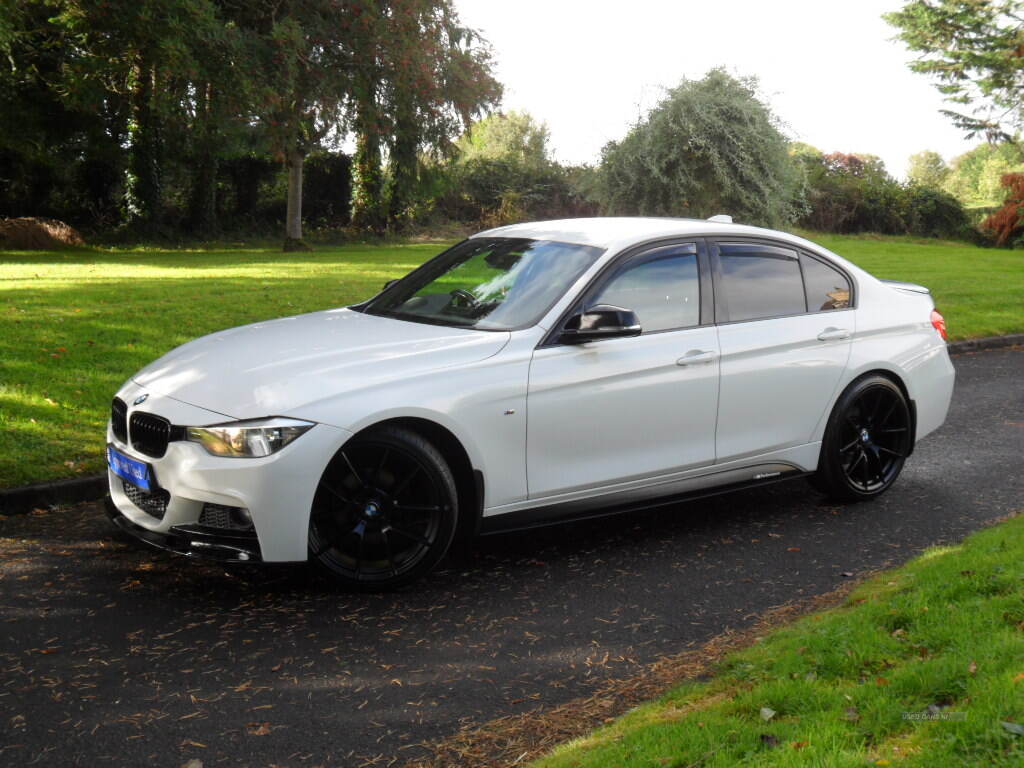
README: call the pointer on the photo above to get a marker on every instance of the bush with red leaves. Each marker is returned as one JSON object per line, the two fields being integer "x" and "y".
{"x": 1008, "y": 222}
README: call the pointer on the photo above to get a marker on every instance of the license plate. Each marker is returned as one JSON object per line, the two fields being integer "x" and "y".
{"x": 135, "y": 472}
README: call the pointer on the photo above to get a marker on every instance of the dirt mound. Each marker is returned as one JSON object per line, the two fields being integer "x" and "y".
{"x": 37, "y": 234}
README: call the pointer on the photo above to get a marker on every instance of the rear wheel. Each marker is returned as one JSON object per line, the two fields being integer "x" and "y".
{"x": 385, "y": 511}
{"x": 866, "y": 441}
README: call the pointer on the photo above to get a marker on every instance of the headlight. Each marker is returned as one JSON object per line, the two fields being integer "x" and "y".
{"x": 247, "y": 439}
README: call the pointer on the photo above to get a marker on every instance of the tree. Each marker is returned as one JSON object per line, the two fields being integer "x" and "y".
{"x": 435, "y": 101}
{"x": 427, "y": 77}
{"x": 59, "y": 156}
{"x": 927, "y": 169}
{"x": 975, "y": 176}
{"x": 217, "y": 108}
{"x": 510, "y": 136}
{"x": 711, "y": 146}
{"x": 95, "y": 94}
{"x": 975, "y": 50}
{"x": 147, "y": 55}
{"x": 502, "y": 172}
{"x": 306, "y": 53}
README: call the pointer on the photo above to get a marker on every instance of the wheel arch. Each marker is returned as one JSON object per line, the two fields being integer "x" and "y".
{"x": 896, "y": 378}
{"x": 469, "y": 481}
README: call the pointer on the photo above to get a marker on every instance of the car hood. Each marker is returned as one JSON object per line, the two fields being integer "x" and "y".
{"x": 275, "y": 367}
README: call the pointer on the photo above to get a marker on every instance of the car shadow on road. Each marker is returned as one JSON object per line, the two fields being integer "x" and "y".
{"x": 71, "y": 534}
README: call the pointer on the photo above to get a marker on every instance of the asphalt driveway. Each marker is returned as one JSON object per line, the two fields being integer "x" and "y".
{"x": 112, "y": 654}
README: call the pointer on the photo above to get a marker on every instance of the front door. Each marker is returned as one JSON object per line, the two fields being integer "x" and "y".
{"x": 630, "y": 408}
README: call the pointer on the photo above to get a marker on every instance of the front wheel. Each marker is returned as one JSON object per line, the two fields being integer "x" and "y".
{"x": 385, "y": 511}
{"x": 866, "y": 441}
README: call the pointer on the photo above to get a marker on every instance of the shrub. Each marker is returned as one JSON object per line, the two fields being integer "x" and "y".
{"x": 849, "y": 193}
{"x": 1006, "y": 223}
{"x": 930, "y": 212}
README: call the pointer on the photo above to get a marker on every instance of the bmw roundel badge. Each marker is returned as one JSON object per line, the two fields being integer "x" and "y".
{"x": 140, "y": 399}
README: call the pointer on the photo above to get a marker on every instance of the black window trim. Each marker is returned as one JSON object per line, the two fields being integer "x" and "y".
{"x": 721, "y": 306}
{"x": 619, "y": 262}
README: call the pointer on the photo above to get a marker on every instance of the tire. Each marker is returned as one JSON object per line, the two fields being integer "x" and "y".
{"x": 385, "y": 511}
{"x": 866, "y": 442}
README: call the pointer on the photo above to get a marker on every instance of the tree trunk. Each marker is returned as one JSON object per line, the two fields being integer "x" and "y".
{"x": 144, "y": 188}
{"x": 367, "y": 177}
{"x": 403, "y": 170}
{"x": 293, "y": 219}
{"x": 203, "y": 200}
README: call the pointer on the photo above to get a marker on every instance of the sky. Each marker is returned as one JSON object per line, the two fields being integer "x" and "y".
{"x": 829, "y": 68}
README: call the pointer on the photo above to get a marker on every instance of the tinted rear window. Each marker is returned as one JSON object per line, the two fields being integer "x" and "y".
{"x": 827, "y": 287}
{"x": 761, "y": 281}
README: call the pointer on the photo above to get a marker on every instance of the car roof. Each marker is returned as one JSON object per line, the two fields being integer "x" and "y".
{"x": 605, "y": 232}
{"x": 615, "y": 233}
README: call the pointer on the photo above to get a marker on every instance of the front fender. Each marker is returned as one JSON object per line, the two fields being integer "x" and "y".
{"x": 483, "y": 405}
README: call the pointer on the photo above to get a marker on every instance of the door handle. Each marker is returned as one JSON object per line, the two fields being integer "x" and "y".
{"x": 834, "y": 334}
{"x": 697, "y": 356}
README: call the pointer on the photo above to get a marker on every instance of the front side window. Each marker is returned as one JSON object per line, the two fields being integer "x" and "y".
{"x": 760, "y": 281}
{"x": 494, "y": 284}
{"x": 827, "y": 287}
{"x": 663, "y": 291}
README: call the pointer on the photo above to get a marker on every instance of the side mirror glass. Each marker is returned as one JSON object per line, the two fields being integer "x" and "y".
{"x": 601, "y": 322}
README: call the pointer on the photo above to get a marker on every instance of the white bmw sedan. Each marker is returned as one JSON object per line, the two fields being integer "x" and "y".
{"x": 530, "y": 374}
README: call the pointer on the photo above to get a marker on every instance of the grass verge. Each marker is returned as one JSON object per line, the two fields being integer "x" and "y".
{"x": 74, "y": 325}
{"x": 921, "y": 666}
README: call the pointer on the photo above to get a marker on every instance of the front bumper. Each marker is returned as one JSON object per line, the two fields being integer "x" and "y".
{"x": 194, "y": 541}
{"x": 276, "y": 490}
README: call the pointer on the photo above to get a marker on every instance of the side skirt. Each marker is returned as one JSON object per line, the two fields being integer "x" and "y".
{"x": 614, "y": 504}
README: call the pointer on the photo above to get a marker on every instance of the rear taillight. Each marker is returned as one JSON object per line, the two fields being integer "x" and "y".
{"x": 939, "y": 324}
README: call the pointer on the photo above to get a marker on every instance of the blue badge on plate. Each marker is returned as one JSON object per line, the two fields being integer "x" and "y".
{"x": 135, "y": 472}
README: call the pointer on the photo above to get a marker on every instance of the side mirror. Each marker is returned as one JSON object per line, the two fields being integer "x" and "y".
{"x": 389, "y": 283}
{"x": 601, "y": 322}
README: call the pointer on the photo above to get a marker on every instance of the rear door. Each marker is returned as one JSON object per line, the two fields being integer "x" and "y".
{"x": 785, "y": 324}
{"x": 630, "y": 408}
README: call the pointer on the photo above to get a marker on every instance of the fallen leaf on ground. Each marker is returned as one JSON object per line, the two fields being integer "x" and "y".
{"x": 258, "y": 729}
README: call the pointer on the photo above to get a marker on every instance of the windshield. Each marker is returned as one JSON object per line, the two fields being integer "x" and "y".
{"x": 495, "y": 284}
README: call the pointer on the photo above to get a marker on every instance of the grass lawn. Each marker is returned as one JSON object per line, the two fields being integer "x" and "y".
{"x": 75, "y": 325}
{"x": 922, "y": 666}
{"x": 980, "y": 291}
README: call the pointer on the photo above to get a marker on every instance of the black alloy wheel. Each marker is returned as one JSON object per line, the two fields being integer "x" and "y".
{"x": 866, "y": 442}
{"x": 385, "y": 511}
